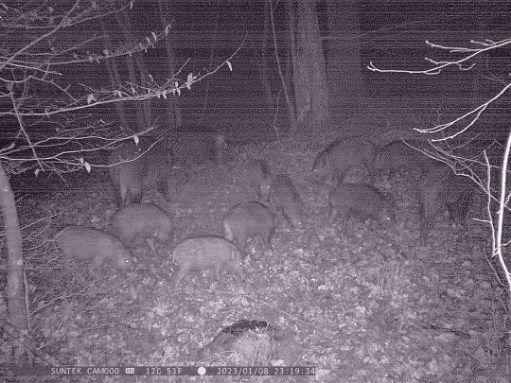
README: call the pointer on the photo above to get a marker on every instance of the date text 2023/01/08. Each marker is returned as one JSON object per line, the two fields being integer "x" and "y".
{"x": 166, "y": 370}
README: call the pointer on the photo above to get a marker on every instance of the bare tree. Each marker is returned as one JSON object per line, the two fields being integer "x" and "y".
{"x": 171, "y": 107}
{"x": 310, "y": 111}
{"x": 137, "y": 72}
{"x": 456, "y": 131}
{"x": 114, "y": 75}
{"x": 40, "y": 45}
{"x": 343, "y": 61}
{"x": 262, "y": 62}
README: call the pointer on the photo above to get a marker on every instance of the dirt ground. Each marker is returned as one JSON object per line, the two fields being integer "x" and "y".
{"x": 362, "y": 304}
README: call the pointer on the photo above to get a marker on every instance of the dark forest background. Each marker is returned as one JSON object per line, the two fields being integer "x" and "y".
{"x": 391, "y": 34}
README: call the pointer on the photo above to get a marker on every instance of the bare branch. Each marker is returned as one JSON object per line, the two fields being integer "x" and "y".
{"x": 498, "y": 247}
{"x": 440, "y": 65}
{"x": 28, "y": 75}
{"x": 474, "y": 115}
{"x": 460, "y": 164}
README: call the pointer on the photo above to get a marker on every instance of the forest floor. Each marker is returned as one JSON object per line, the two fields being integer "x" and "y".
{"x": 361, "y": 304}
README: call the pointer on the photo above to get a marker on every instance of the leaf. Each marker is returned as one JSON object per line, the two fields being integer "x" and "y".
{"x": 189, "y": 81}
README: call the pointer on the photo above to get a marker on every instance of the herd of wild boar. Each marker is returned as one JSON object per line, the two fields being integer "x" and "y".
{"x": 148, "y": 165}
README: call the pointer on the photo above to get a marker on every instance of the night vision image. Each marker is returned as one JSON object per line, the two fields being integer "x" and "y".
{"x": 255, "y": 191}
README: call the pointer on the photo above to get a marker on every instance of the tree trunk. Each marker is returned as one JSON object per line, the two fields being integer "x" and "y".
{"x": 15, "y": 291}
{"x": 343, "y": 58}
{"x": 142, "y": 110}
{"x": 309, "y": 74}
{"x": 172, "y": 111}
{"x": 115, "y": 78}
{"x": 287, "y": 82}
{"x": 263, "y": 60}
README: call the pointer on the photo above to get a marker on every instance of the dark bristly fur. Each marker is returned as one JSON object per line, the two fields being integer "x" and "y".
{"x": 361, "y": 200}
{"x": 344, "y": 154}
{"x": 441, "y": 189}
{"x": 192, "y": 147}
{"x": 207, "y": 252}
{"x": 137, "y": 168}
{"x": 96, "y": 246}
{"x": 399, "y": 155}
{"x": 283, "y": 196}
{"x": 142, "y": 220}
{"x": 249, "y": 220}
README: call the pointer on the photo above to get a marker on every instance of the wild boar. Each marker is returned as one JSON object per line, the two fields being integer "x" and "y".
{"x": 98, "y": 247}
{"x": 283, "y": 196}
{"x": 207, "y": 252}
{"x": 138, "y": 168}
{"x": 249, "y": 220}
{"x": 142, "y": 220}
{"x": 345, "y": 154}
{"x": 439, "y": 189}
{"x": 361, "y": 200}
